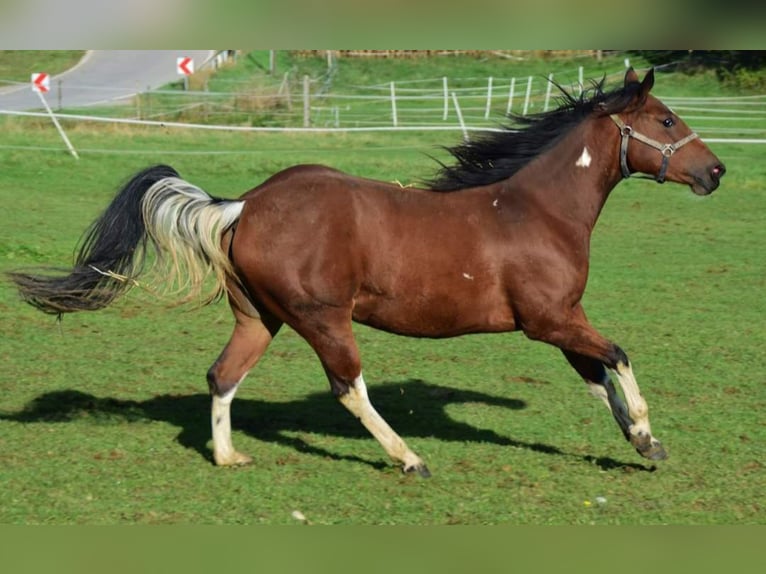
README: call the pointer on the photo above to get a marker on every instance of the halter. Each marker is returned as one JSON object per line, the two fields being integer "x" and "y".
{"x": 666, "y": 150}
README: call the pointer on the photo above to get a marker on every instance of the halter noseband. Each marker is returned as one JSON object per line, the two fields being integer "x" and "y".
{"x": 666, "y": 150}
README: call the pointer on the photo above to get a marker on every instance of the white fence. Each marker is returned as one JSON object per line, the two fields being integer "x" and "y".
{"x": 301, "y": 104}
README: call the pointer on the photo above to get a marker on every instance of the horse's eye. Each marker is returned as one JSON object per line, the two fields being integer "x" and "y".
{"x": 668, "y": 122}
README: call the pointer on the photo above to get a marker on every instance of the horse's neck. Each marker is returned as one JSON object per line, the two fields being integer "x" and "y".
{"x": 572, "y": 180}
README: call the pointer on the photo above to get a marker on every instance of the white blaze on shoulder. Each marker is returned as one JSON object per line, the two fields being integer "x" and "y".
{"x": 584, "y": 159}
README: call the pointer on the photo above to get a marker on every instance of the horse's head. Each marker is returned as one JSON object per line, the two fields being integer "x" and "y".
{"x": 655, "y": 141}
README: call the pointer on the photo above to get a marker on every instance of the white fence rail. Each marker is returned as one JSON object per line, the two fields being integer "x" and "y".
{"x": 466, "y": 104}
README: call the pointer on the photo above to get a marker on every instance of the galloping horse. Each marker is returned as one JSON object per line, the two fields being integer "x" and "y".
{"x": 500, "y": 242}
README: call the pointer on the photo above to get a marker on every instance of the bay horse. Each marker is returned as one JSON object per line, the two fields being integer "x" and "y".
{"x": 497, "y": 242}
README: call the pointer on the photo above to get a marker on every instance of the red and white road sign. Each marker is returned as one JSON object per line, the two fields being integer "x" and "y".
{"x": 185, "y": 66}
{"x": 41, "y": 82}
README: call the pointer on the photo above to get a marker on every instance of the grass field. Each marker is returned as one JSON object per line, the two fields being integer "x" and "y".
{"x": 104, "y": 417}
{"x": 18, "y": 65}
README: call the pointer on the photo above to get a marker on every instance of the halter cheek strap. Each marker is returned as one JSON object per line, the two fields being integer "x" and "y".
{"x": 667, "y": 149}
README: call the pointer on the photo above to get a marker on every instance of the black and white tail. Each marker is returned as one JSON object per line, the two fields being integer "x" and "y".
{"x": 156, "y": 207}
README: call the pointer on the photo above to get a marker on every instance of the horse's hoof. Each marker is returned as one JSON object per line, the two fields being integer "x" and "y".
{"x": 653, "y": 451}
{"x": 647, "y": 446}
{"x": 420, "y": 468}
{"x": 233, "y": 459}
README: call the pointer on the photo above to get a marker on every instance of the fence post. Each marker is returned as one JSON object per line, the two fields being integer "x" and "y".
{"x": 393, "y": 105}
{"x": 284, "y": 90}
{"x": 581, "y": 79}
{"x": 59, "y": 95}
{"x": 489, "y": 99}
{"x": 510, "y": 97}
{"x": 446, "y": 98}
{"x": 548, "y": 91}
{"x": 529, "y": 93}
{"x": 306, "y": 103}
{"x": 272, "y": 62}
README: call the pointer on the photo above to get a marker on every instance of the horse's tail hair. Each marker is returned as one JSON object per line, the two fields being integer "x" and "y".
{"x": 182, "y": 222}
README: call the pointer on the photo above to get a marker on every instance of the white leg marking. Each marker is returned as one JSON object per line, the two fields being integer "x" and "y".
{"x": 357, "y": 401}
{"x": 607, "y": 393}
{"x": 637, "y": 407}
{"x": 598, "y": 391}
{"x": 223, "y": 449}
{"x": 584, "y": 159}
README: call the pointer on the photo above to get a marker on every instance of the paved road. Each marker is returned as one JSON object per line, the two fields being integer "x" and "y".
{"x": 103, "y": 76}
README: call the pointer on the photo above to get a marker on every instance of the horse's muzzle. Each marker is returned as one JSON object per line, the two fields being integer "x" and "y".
{"x": 709, "y": 182}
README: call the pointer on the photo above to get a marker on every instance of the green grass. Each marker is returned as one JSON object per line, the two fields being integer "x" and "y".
{"x": 18, "y": 65}
{"x": 104, "y": 418}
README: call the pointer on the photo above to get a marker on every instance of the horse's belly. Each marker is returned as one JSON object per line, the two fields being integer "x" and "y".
{"x": 432, "y": 316}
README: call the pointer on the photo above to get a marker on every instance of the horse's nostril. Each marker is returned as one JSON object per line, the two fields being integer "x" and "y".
{"x": 718, "y": 171}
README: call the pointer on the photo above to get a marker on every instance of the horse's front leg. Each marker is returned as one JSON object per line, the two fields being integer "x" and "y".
{"x": 601, "y": 386}
{"x": 579, "y": 340}
{"x": 640, "y": 433}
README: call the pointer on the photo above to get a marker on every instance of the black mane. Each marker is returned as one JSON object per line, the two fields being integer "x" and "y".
{"x": 495, "y": 156}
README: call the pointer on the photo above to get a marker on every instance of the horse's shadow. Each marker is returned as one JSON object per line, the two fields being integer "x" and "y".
{"x": 414, "y": 408}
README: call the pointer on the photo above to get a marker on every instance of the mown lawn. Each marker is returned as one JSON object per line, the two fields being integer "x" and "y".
{"x": 18, "y": 65}
{"x": 104, "y": 417}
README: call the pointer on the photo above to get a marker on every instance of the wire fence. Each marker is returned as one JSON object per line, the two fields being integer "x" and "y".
{"x": 289, "y": 103}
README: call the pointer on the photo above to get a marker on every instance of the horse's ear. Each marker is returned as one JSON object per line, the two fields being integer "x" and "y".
{"x": 647, "y": 84}
{"x": 631, "y": 77}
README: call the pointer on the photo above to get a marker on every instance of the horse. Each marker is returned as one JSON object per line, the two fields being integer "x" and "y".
{"x": 498, "y": 241}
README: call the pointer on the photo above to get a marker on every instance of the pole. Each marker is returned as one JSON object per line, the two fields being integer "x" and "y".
{"x": 306, "y": 106}
{"x": 446, "y": 98}
{"x": 58, "y": 126}
{"x": 548, "y": 92}
{"x": 510, "y": 96}
{"x": 460, "y": 116}
{"x": 489, "y": 99}
{"x": 284, "y": 87}
{"x": 529, "y": 93}
{"x": 393, "y": 104}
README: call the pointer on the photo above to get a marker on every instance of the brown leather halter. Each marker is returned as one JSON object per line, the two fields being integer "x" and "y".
{"x": 666, "y": 149}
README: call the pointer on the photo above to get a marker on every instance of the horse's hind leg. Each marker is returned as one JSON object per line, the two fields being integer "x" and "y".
{"x": 248, "y": 342}
{"x": 339, "y": 355}
{"x": 353, "y": 395}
